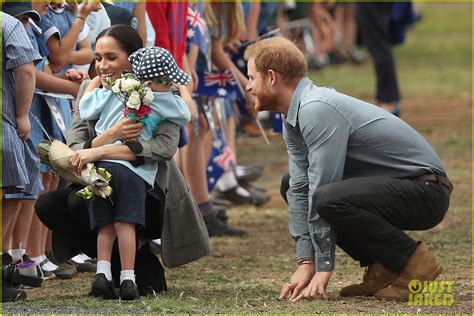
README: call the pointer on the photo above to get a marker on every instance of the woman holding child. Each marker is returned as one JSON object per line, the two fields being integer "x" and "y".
{"x": 169, "y": 209}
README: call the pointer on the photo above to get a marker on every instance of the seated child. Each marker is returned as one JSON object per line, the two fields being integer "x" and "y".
{"x": 156, "y": 67}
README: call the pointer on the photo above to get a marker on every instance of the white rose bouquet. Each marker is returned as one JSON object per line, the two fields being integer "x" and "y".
{"x": 136, "y": 97}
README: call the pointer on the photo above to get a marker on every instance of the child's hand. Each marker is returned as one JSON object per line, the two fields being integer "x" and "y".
{"x": 23, "y": 127}
{"x": 88, "y": 6}
{"x": 126, "y": 130}
{"x": 95, "y": 83}
{"x": 77, "y": 75}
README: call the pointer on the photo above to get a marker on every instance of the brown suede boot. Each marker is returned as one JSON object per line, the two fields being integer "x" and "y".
{"x": 375, "y": 278}
{"x": 421, "y": 266}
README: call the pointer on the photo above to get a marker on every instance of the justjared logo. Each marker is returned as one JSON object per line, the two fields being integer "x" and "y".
{"x": 430, "y": 293}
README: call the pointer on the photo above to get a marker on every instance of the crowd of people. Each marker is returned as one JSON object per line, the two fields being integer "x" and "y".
{"x": 60, "y": 62}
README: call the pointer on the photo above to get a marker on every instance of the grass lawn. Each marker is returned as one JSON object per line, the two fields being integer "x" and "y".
{"x": 244, "y": 275}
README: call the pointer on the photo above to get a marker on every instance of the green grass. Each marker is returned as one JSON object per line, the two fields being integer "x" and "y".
{"x": 244, "y": 275}
{"x": 435, "y": 60}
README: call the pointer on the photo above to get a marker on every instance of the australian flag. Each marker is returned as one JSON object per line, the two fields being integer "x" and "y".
{"x": 222, "y": 158}
{"x": 197, "y": 26}
{"x": 218, "y": 84}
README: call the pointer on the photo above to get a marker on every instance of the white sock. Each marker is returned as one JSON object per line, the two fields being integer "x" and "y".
{"x": 77, "y": 259}
{"x": 227, "y": 181}
{"x": 49, "y": 266}
{"x": 17, "y": 254}
{"x": 39, "y": 259}
{"x": 127, "y": 275}
{"x": 104, "y": 267}
{"x": 84, "y": 257}
{"x": 242, "y": 191}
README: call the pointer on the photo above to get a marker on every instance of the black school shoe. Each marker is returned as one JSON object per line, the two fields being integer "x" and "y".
{"x": 232, "y": 195}
{"x": 216, "y": 227}
{"x": 128, "y": 290}
{"x": 10, "y": 294}
{"x": 101, "y": 287}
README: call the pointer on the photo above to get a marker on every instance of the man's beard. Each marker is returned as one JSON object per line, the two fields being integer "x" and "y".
{"x": 265, "y": 101}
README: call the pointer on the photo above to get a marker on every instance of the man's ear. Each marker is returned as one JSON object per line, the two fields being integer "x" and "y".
{"x": 273, "y": 77}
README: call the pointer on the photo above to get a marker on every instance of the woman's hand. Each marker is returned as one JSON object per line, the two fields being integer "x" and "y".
{"x": 299, "y": 280}
{"x": 82, "y": 157}
{"x": 316, "y": 288}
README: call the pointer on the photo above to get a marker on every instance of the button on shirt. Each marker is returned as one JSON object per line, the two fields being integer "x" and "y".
{"x": 331, "y": 137}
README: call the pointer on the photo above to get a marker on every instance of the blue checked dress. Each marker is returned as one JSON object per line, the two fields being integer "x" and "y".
{"x": 20, "y": 163}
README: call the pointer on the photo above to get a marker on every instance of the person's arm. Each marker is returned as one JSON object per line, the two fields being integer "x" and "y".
{"x": 251, "y": 20}
{"x": 24, "y": 89}
{"x": 191, "y": 59}
{"x": 60, "y": 49}
{"x": 50, "y": 83}
{"x": 223, "y": 62}
{"x": 83, "y": 54}
{"x": 326, "y": 134}
{"x": 161, "y": 148}
{"x": 139, "y": 10}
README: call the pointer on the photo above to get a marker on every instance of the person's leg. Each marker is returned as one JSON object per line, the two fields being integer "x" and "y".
{"x": 22, "y": 228}
{"x": 374, "y": 211}
{"x": 35, "y": 237}
{"x": 67, "y": 216}
{"x": 373, "y": 20}
{"x": 127, "y": 249}
{"x": 127, "y": 244}
{"x": 194, "y": 163}
{"x": 105, "y": 242}
{"x": 102, "y": 285}
{"x": 10, "y": 209}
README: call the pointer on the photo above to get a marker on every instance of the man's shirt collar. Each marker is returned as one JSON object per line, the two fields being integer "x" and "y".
{"x": 292, "y": 115}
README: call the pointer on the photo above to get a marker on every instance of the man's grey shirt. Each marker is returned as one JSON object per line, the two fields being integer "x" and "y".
{"x": 331, "y": 137}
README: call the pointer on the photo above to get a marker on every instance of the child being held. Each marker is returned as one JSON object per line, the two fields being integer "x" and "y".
{"x": 156, "y": 67}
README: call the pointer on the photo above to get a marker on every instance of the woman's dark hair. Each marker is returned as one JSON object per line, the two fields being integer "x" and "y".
{"x": 127, "y": 37}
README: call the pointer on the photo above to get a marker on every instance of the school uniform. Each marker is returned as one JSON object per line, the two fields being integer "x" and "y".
{"x": 58, "y": 22}
{"x": 20, "y": 162}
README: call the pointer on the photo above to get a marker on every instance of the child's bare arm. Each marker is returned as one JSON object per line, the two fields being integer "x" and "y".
{"x": 24, "y": 87}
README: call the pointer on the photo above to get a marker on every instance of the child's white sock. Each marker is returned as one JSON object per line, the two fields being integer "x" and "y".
{"x": 39, "y": 259}
{"x": 16, "y": 254}
{"x": 227, "y": 181}
{"x": 104, "y": 267}
{"x": 49, "y": 266}
{"x": 127, "y": 275}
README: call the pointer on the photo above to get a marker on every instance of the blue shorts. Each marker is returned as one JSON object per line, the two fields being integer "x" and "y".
{"x": 128, "y": 197}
